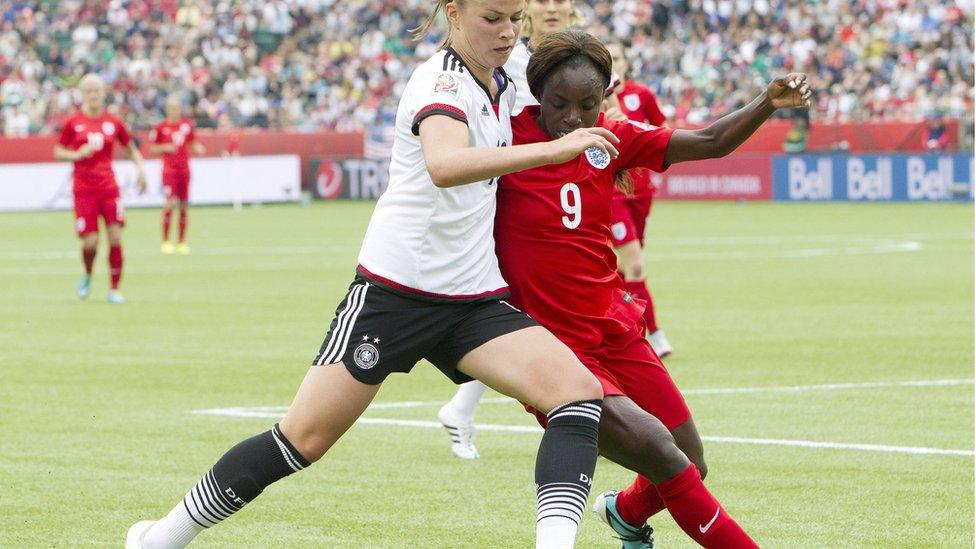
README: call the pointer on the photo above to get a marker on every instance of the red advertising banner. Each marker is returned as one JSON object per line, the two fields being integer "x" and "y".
{"x": 733, "y": 178}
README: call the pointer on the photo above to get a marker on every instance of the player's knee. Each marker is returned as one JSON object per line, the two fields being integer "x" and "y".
{"x": 663, "y": 453}
{"x": 310, "y": 444}
{"x": 581, "y": 385}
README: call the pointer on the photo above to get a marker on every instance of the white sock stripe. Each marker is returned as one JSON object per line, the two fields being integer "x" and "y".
{"x": 556, "y": 508}
{"x": 578, "y": 494}
{"x": 576, "y": 407}
{"x": 222, "y": 503}
{"x": 340, "y": 324}
{"x": 197, "y": 509}
{"x": 289, "y": 459}
{"x": 562, "y": 486}
{"x": 595, "y": 416}
{"x": 337, "y": 355}
{"x": 575, "y": 519}
{"x": 585, "y": 407}
{"x": 567, "y": 497}
{"x": 202, "y": 491}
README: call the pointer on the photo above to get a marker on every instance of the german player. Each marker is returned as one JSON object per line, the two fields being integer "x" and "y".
{"x": 87, "y": 140}
{"x": 552, "y": 235}
{"x": 542, "y": 17}
{"x": 428, "y": 286}
{"x": 629, "y": 211}
{"x": 173, "y": 138}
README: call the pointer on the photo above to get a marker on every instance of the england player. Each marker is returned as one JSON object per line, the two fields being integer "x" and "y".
{"x": 629, "y": 211}
{"x": 428, "y": 286}
{"x": 87, "y": 140}
{"x": 552, "y": 234}
{"x": 541, "y": 18}
{"x": 173, "y": 138}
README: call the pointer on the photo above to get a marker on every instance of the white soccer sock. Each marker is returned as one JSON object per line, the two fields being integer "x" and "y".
{"x": 467, "y": 398}
{"x": 174, "y": 531}
{"x": 555, "y": 533}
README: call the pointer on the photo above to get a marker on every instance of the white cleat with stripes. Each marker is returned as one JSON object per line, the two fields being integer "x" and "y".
{"x": 460, "y": 431}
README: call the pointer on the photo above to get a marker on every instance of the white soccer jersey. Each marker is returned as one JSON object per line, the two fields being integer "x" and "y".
{"x": 517, "y": 65}
{"x": 427, "y": 240}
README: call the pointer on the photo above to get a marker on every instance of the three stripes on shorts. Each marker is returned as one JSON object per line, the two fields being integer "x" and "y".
{"x": 333, "y": 351}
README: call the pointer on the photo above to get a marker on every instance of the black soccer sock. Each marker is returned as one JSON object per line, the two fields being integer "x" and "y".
{"x": 241, "y": 475}
{"x": 565, "y": 463}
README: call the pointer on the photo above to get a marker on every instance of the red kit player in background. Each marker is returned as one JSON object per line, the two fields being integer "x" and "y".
{"x": 87, "y": 140}
{"x": 172, "y": 138}
{"x": 629, "y": 212}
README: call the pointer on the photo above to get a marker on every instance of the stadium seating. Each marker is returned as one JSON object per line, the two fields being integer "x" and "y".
{"x": 331, "y": 64}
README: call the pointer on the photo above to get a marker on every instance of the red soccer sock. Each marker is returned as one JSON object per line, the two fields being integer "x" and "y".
{"x": 115, "y": 265}
{"x": 167, "y": 217}
{"x": 639, "y": 502}
{"x": 699, "y": 514}
{"x": 638, "y": 288}
{"x": 88, "y": 257}
{"x": 183, "y": 220}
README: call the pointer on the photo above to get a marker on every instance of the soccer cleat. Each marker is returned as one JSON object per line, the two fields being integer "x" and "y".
{"x": 84, "y": 286}
{"x": 461, "y": 432}
{"x": 167, "y": 247}
{"x": 631, "y": 537}
{"x": 136, "y": 533}
{"x": 660, "y": 344}
{"x": 115, "y": 297}
{"x": 182, "y": 248}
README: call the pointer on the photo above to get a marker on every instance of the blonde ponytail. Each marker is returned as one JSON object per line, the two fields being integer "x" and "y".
{"x": 424, "y": 29}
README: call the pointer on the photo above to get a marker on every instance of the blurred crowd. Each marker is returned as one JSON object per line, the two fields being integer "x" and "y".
{"x": 340, "y": 64}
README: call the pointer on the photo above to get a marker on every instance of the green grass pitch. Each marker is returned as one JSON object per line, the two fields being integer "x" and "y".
{"x": 844, "y": 302}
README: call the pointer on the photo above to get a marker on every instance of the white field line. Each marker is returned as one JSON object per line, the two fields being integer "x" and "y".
{"x": 848, "y": 242}
{"x": 275, "y": 412}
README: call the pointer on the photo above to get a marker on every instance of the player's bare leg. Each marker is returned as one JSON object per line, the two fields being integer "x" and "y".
{"x": 631, "y": 265}
{"x": 114, "y": 231}
{"x": 532, "y": 366}
{"x": 89, "y": 249}
{"x": 181, "y": 246}
{"x": 328, "y": 402}
{"x": 167, "y": 247}
{"x": 635, "y": 439}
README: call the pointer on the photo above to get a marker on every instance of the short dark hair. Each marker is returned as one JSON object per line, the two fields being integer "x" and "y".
{"x": 561, "y": 47}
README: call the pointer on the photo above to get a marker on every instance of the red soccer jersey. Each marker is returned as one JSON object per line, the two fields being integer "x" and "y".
{"x": 179, "y": 133}
{"x": 552, "y": 233}
{"x": 639, "y": 104}
{"x": 100, "y": 133}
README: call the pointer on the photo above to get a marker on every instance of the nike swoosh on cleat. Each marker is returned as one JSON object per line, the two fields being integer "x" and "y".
{"x": 705, "y": 528}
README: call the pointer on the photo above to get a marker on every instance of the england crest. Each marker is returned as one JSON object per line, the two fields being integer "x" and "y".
{"x": 632, "y": 101}
{"x": 597, "y": 158}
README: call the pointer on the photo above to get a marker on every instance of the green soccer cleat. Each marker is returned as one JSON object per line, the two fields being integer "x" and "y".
{"x": 631, "y": 537}
{"x": 115, "y": 297}
{"x": 84, "y": 286}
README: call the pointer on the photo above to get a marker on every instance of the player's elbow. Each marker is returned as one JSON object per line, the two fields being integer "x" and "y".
{"x": 441, "y": 175}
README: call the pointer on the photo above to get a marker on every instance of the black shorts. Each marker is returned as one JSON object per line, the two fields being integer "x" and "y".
{"x": 377, "y": 331}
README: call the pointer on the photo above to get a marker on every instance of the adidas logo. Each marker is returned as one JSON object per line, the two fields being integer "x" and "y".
{"x": 484, "y": 111}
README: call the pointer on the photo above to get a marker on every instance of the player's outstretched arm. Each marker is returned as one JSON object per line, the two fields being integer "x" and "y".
{"x": 451, "y": 161}
{"x": 162, "y": 148}
{"x": 726, "y": 134}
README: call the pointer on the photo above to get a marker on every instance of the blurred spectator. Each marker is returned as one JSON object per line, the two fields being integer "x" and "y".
{"x": 936, "y": 138}
{"x": 796, "y": 139}
{"x": 341, "y": 64}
